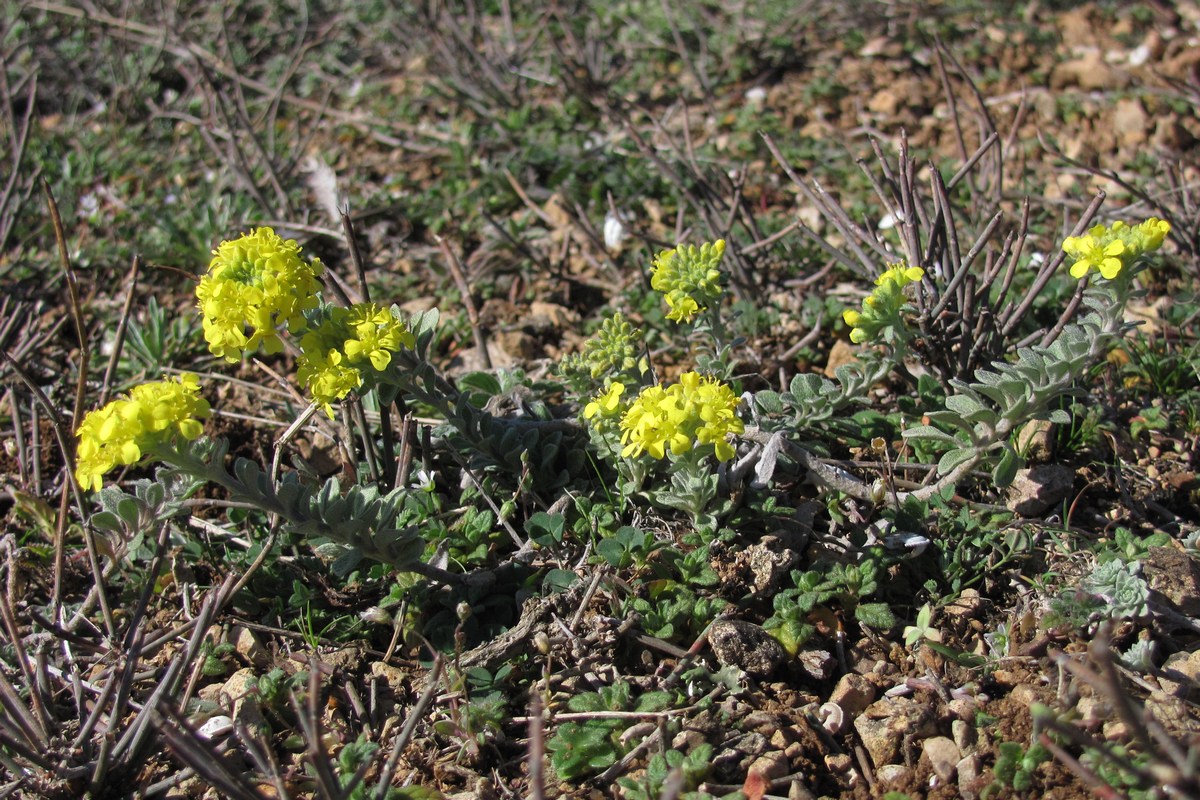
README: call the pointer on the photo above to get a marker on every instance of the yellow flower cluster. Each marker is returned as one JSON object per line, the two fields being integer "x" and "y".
{"x": 1108, "y": 250}
{"x": 695, "y": 411}
{"x": 119, "y": 433}
{"x": 607, "y": 403}
{"x": 334, "y": 354}
{"x": 881, "y": 308}
{"x": 689, "y": 278}
{"x": 255, "y": 283}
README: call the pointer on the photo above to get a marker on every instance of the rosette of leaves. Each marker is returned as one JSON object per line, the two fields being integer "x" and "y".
{"x": 1121, "y": 587}
{"x": 134, "y": 518}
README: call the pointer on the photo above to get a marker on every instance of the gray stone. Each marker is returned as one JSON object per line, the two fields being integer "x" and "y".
{"x": 1176, "y": 576}
{"x": 880, "y": 740}
{"x": 250, "y": 647}
{"x": 746, "y": 646}
{"x": 769, "y": 562}
{"x": 943, "y": 756}
{"x": 1181, "y": 674}
{"x": 1037, "y": 489}
{"x": 853, "y": 693}
{"x": 968, "y": 774}
{"x": 816, "y": 664}
{"x": 891, "y": 773}
{"x": 892, "y": 725}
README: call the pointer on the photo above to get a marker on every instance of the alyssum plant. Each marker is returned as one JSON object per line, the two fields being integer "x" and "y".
{"x": 674, "y": 445}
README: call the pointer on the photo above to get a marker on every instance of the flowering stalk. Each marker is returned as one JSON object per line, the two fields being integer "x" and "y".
{"x": 984, "y": 414}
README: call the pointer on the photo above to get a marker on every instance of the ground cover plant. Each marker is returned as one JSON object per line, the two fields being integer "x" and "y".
{"x": 652, "y": 400}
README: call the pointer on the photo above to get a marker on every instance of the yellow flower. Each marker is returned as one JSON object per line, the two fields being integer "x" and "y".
{"x": 256, "y": 282}
{"x": 689, "y": 278}
{"x": 696, "y": 411}
{"x": 1091, "y": 252}
{"x": 334, "y": 355}
{"x": 119, "y": 433}
{"x": 1109, "y": 250}
{"x": 883, "y": 308}
{"x": 607, "y": 403}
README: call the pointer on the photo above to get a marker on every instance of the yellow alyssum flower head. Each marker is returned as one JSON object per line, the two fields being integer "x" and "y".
{"x": 255, "y": 284}
{"x": 1110, "y": 249}
{"x": 694, "y": 412}
{"x": 689, "y": 277}
{"x": 336, "y": 353}
{"x": 883, "y": 307}
{"x": 120, "y": 433}
{"x": 607, "y": 403}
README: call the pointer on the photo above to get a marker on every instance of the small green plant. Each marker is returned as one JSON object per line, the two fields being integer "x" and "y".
{"x": 1015, "y": 768}
{"x": 838, "y": 587}
{"x": 578, "y": 749}
{"x": 158, "y": 341}
{"x": 673, "y": 611}
{"x": 1113, "y": 590}
{"x": 693, "y": 768}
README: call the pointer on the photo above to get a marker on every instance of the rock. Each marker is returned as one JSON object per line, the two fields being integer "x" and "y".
{"x": 892, "y": 773}
{"x": 250, "y": 647}
{"x": 1173, "y": 714}
{"x": 962, "y": 708}
{"x": 1130, "y": 121}
{"x": 853, "y": 693}
{"x": 840, "y": 354}
{"x": 798, "y": 791}
{"x": 1076, "y": 28}
{"x": 968, "y": 776}
{"x": 543, "y": 316}
{"x": 394, "y": 677}
{"x": 943, "y": 755}
{"x": 1026, "y": 694}
{"x": 1090, "y": 72}
{"x": 1093, "y": 711}
{"x": 1116, "y": 731}
{"x": 245, "y": 701}
{"x": 1169, "y": 134}
{"x": 211, "y": 693}
{"x": 882, "y": 743}
{"x": 1176, "y": 576}
{"x": 964, "y": 735}
{"x": 1181, "y": 674}
{"x": 1036, "y": 489}
{"x": 770, "y": 766}
{"x": 216, "y": 727}
{"x": 769, "y": 563}
{"x": 1036, "y": 441}
{"x": 746, "y": 646}
{"x": 965, "y": 607}
{"x": 688, "y": 740}
{"x": 741, "y": 751}
{"x": 838, "y": 762}
{"x": 888, "y": 724}
{"x": 816, "y": 664}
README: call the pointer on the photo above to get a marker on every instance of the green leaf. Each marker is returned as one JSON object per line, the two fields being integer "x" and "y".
{"x": 544, "y": 528}
{"x": 953, "y": 458}
{"x": 929, "y": 432}
{"x": 558, "y": 580}
{"x": 875, "y": 615}
{"x": 1006, "y": 470}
